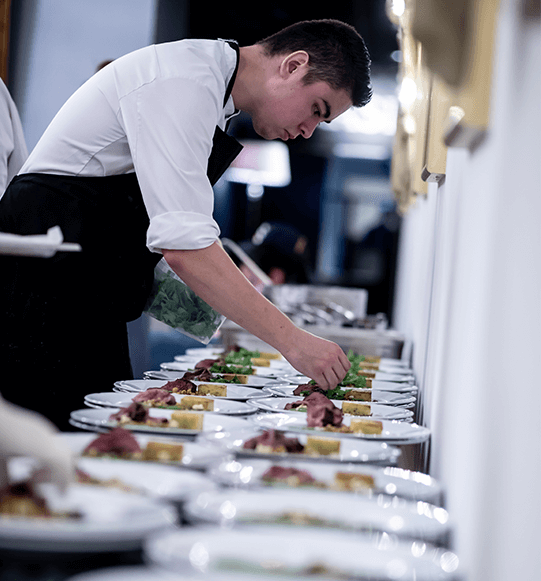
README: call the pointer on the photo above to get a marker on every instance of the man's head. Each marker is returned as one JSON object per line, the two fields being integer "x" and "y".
{"x": 337, "y": 55}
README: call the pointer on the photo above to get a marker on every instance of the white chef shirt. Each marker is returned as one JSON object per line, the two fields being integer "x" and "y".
{"x": 154, "y": 111}
{"x": 13, "y": 150}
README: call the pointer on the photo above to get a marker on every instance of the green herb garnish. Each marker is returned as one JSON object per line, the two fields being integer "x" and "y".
{"x": 179, "y": 307}
{"x": 241, "y": 357}
{"x": 221, "y": 379}
{"x": 217, "y": 368}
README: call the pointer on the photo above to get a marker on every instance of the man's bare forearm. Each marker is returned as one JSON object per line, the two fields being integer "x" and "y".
{"x": 212, "y": 275}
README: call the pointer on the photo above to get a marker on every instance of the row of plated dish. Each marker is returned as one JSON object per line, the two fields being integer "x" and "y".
{"x": 213, "y": 513}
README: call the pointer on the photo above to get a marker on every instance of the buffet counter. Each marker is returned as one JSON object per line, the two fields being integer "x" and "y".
{"x": 188, "y": 471}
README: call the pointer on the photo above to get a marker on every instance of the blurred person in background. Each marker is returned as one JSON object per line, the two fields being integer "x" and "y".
{"x": 281, "y": 251}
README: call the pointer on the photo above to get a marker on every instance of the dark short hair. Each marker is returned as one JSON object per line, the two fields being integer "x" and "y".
{"x": 338, "y": 55}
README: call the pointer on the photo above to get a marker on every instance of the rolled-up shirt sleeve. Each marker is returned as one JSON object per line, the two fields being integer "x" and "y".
{"x": 170, "y": 124}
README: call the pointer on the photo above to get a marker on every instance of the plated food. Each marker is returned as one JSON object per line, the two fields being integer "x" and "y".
{"x": 378, "y": 411}
{"x": 311, "y": 507}
{"x": 251, "y": 380}
{"x": 244, "y": 444}
{"x": 396, "y": 432}
{"x": 161, "y": 399}
{"x": 161, "y": 481}
{"x": 255, "y": 552}
{"x": 377, "y": 386}
{"x": 221, "y": 370}
{"x": 122, "y": 444}
{"x": 108, "y": 519}
{"x": 141, "y": 419}
{"x": 363, "y": 479}
{"x": 232, "y": 391}
{"x": 22, "y": 500}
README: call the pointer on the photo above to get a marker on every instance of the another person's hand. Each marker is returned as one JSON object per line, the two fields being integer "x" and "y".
{"x": 26, "y": 433}
{"x": 321, "y": 360}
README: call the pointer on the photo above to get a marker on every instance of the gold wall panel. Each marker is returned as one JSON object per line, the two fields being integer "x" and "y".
{"x": 447, "y": 53}
{"x": 5, "y": 6}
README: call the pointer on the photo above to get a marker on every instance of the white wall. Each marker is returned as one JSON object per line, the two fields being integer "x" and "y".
{"x": 469, "y": 295}
{"x": 61, "y": 44}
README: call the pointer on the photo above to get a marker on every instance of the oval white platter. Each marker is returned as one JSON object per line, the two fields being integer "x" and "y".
{"x": 321, "y": 509}
{"x": 99, "y": 418}
{"x": 389, "y": 480}
{"x": 396, "y": 432}
{"x": 161, "y": 481}
{"x": 215, "y": 351}
{"x": 406, "y": 399}
{"x": 152, "y": 479}
{"x": 268, "y": 372}
{"x": 287, "y": 390}
{"x": 196, "y": 456}
{"x": 351, "y": 450}
{"x": 121, "y": 400}
{"x": 235, "y": 391}
{"x": 253, "y": 380}
{"x": 259, "y": 552}
{"x": 378, "y": 411}
{"x": 131, "y": 573}
{"x": 382, "y": 376}
{"x": 274, "y": 364}
{"x": 112, "y": 520}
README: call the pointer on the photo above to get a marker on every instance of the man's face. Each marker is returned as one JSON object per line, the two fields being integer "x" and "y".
{"x": 290, "y": 108}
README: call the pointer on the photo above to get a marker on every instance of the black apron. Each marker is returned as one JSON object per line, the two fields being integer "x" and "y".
{"x": 63, "y": 319}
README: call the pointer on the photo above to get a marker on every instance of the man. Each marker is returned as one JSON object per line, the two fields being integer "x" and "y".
{"x": 126, "y": 169}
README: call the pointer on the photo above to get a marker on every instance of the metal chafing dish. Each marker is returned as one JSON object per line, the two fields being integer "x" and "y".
{"x": 388, "y": 343}
{"x": 332, "y": 312}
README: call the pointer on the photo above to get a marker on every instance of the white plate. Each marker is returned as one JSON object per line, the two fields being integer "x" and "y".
{"x": 274, "y": 364}
{"x": 376, "y": 385}
{"x": 292, "y": 551}
{"x": 335, "y": 510}
{"x": 152, "y": 479}
{"x": 253, "y": 380}
{"x": 351, "y": 451}
{"x": 381, "y": 376}
{"x": 378, "y": 411}
{"x": 235, "y": 391}
{"x": 131, "y": 573}
{"x": 195, "y": 455}
{"x": 390, "y": 480}
{"x": 121, "y": 400}
{"x": 267, "y": 372}
{"x": 204, "y": 352}
{"x": 208, "y": 352}
{"x": 378, "y": 395}
{"x": 169, "y": 483}
{"x": 396, "y": 432}
{"x": 99, "y": 418}
{"x": 112, "y": 520}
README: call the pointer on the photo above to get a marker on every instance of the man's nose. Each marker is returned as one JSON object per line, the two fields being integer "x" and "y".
{"x": 307, "y": 128}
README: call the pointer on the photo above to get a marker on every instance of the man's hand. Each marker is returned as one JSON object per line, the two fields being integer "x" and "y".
{"x": 321, "y": 360}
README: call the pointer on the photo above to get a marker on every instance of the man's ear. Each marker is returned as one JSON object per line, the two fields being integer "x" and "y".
{"x": 294, "y": 62}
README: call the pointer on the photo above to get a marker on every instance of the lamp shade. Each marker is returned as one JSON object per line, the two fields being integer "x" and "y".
{"x": 263, "y": 163}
